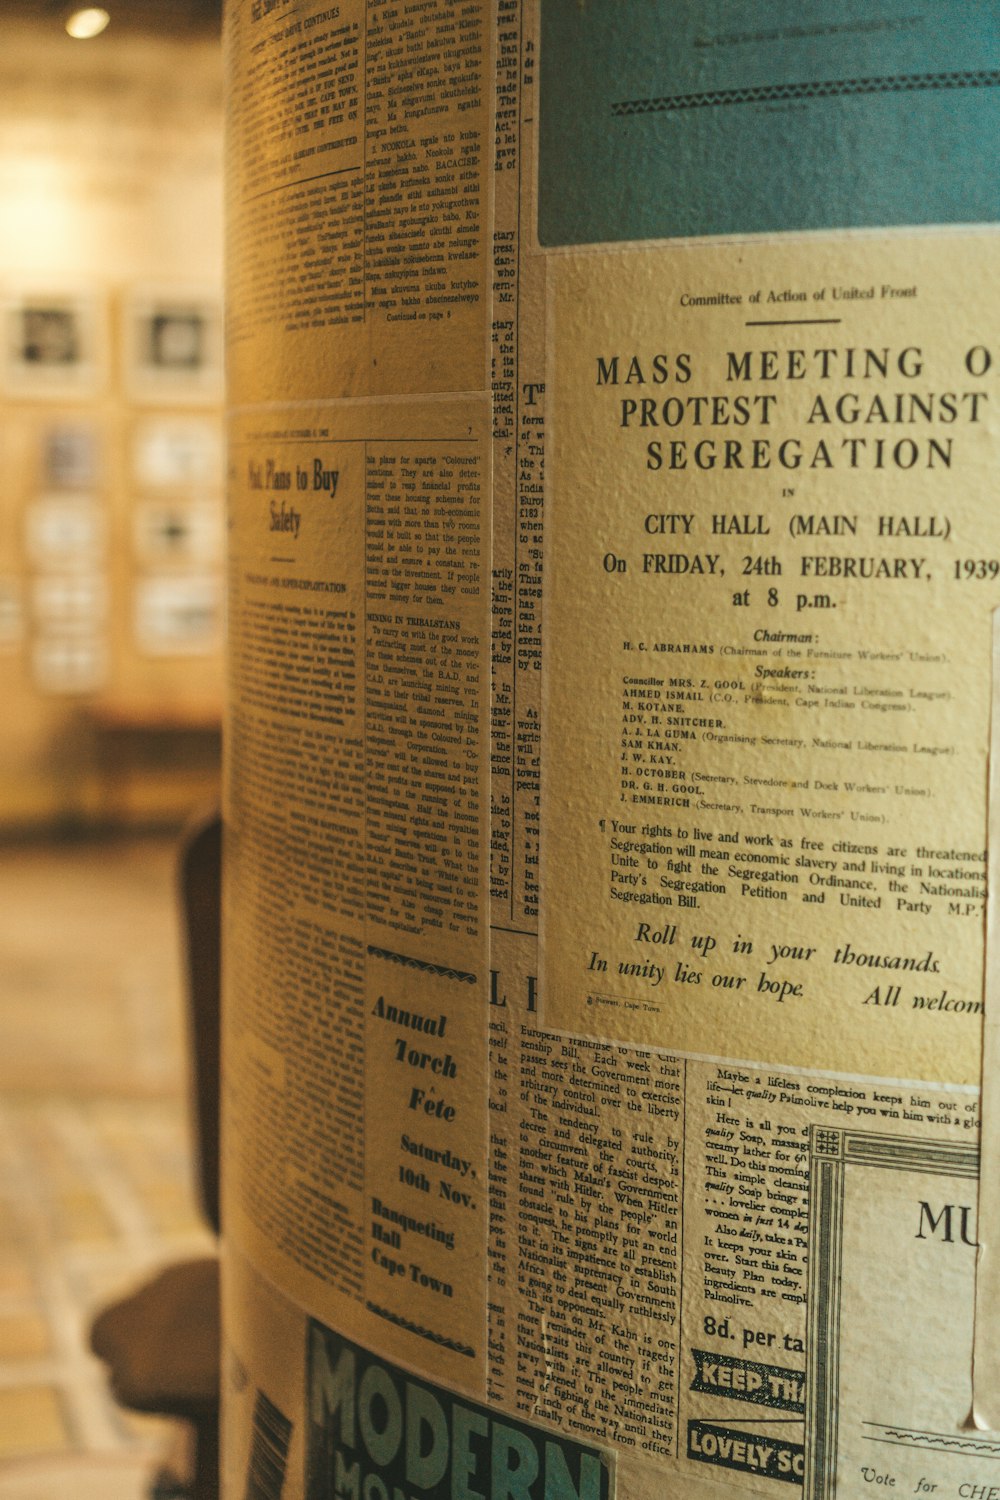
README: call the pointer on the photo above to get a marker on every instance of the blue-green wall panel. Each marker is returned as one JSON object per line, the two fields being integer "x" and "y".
{"x": 885, "y": 112}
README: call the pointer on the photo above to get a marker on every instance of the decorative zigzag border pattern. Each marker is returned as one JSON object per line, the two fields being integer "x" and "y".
{"x": 418, "y": 963}
{"x": 425, "y": 1333}
{"x": 833, "y": 88}
{"x": 940, "y": 1442}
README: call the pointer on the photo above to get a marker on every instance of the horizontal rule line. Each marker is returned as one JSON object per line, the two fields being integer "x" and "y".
{"x": 788, "y": 322}
{"x": 280, "y": 187}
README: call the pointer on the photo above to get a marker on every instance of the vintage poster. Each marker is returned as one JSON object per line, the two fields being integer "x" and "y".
{"x": 612, "y": 561}
{"x": 772, "y": 775}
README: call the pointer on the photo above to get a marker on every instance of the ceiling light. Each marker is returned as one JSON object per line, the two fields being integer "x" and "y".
{"x": 83, "y": 24}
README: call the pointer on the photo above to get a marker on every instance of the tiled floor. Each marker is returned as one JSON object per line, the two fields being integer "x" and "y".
{"x": 95, "y": 1183}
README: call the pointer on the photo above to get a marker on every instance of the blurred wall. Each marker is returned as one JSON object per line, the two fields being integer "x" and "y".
{"x": 110, "y": 426}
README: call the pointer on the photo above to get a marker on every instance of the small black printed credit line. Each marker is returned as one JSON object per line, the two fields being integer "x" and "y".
{"x": 284, "y": 559}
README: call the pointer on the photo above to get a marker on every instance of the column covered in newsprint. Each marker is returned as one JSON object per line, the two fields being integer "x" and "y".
{"x": 613, "y": 545}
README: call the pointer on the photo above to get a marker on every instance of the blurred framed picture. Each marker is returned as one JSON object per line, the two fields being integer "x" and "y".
{"x": 182, "y": 532}
{"x": 73, "y": 599}
{"x": 70, "y": 662}
{"x": 173, "y": 346}
{"x": 11, "y": 612}
{"x": 53, "y": 344}
{"x": 178, "y": 615}
{"x": 71, "y": 456}
{"x": 65, "y": 533}
{"x": 175, "y": 452}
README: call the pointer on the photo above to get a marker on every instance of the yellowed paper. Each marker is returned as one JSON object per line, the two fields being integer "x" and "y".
{"x": 358, "y": 251}
{"x": 765, "y": 828}
{"x": 357, "y": 894}
{"x": 986, "y": 1362}
{"x": 684, "y": 551}
{"x": 884, "y": 1422}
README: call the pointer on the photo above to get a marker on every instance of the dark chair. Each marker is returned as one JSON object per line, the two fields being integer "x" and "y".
{"x": 162, "y": 1343}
